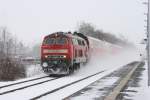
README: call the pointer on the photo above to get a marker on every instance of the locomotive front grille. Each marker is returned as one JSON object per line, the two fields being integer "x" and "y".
{"x": 56, "y": 56}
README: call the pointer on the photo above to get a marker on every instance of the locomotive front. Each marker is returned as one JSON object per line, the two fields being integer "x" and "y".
{"x": 56, "y": 54}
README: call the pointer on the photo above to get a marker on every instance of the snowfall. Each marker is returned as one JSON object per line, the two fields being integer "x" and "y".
{"x": 98, "y": 62}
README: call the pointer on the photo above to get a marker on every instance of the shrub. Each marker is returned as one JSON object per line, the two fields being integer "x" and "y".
{"x": 11, "y": 70}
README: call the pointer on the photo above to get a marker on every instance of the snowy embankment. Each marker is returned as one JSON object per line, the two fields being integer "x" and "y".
{"x": 143, "y": 91}
{"x": 33, "y": 70}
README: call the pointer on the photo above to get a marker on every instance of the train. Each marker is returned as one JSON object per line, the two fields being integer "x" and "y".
{"x": 63, "y": 52}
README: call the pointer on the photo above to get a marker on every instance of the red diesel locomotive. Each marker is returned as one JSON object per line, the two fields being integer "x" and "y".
{"x": 62, "y": 53}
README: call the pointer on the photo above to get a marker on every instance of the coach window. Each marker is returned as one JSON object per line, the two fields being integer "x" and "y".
{"x": 75, "y": 42}
{"x": 83, "y": 43}
{"x": 79, "y": 42}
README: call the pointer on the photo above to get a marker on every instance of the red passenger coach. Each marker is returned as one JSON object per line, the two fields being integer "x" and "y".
{"x": 62, "y": 53}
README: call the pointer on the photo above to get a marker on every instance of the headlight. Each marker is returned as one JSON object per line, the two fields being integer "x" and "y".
{"x": 45, "y": 64}
{"x": 46, "y": 56}
{"x": 64, "y": 56}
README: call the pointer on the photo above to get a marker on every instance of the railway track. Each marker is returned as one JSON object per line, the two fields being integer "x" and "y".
{"x": 10, "y": 89}
{"x": 52, "y": 91}
{"x": 17, "y": 83}
{"x": 5, "y": 91}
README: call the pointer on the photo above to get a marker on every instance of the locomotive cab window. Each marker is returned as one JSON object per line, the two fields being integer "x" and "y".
{"x": 61, "y": 41}
{"x": 49, "y": 41}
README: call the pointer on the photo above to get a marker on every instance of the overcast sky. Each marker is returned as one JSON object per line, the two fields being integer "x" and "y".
{"x": 31, "y": 20}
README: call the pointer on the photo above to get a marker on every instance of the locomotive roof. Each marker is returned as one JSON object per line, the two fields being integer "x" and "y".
{"x": 63, "y": 34}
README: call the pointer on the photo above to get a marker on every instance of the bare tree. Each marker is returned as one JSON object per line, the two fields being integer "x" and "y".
{"x": 10, "y": 69}
{"x": 86, "y": 28}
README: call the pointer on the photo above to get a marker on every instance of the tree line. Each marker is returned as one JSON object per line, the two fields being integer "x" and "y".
{"x": 89, "y": 29}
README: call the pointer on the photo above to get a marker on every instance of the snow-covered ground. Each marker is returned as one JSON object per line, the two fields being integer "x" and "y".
{"x": 99, "y": 61}
{"x": 143, "y": 91}
{"x": 33, "y": 70}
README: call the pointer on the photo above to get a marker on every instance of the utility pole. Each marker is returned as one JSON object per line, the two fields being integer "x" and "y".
{"x": 148, "y": 38}
{"x": 148, "y": 35}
